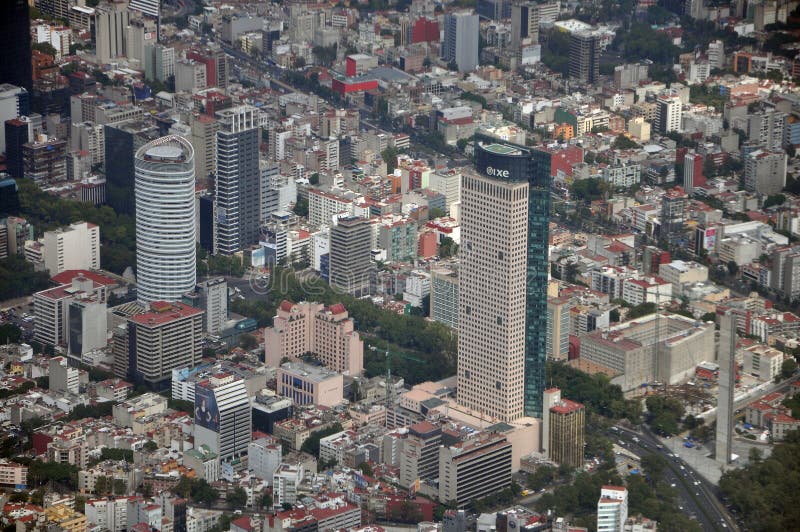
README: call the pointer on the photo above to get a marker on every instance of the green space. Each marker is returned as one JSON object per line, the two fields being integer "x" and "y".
{"x": 764, "y": 491}
{"x": 432, "y": 344}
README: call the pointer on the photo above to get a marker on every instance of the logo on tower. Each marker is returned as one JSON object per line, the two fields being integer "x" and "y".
{"x": 496, "y": 172}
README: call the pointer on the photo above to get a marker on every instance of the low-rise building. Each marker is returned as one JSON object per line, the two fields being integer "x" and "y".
{"x": 306, "y": 384}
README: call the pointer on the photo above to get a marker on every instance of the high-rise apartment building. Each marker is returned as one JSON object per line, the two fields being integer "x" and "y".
{"x": 166, "y": 337}
{"x": 44, "y": 160}
{"x": 584, "y": 56}
{"x": 693, "y": 171}
{"x": 222, "y": 419}
{"x": 716, "y": 54}
{"x": 460, "y": 45}
{"x": 558, "y": 327}
{"x": 327, "y": 332}
{"x": 612, "y": 509}
{"x": 350, "y": 256}
{"x": 668, "y": 114}
{"x": 237, "y": 187}
{"x": 15, "y": 41}
{"x": 419, "y": 457}
{"x": 211, "y": 297}
{"x": 444, "y": 297}
{"x": 474, "y": 468}
{"x": 166, "y": 266}
{"x": 503, "y": 281}
{"x": 566, "y": 433}
{"x": 765, "y": 171}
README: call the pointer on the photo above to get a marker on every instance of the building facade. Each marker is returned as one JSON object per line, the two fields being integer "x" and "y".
{"x": 166, "y": 266}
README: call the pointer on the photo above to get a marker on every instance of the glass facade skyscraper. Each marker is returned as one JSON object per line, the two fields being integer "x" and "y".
{"x": 501, "y": 167}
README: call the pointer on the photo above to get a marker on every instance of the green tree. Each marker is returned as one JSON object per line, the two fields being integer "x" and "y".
{"x": 237, "y": 498}
{"x": 311, "y": 445}
{"x": 774, "y": 199}
{"x": 9, "y": 333}
{"x": 447, "y": 248}
{"x": 622, "y": 142}
{"x": 788, "y": 368}
{"x": 588, "y": 190}
{"x": 642, "y": 309}
{"x": 733, "y": 268}
{"x": 247, "y": 341}
{"x": 301, "y": 208}
{"x": 150, "y": 446}
{"x": 119, "y": 486}
{"x": 389, "y": 156}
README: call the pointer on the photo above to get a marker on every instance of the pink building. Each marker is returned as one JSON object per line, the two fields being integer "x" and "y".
{"x": 327, "y": 332}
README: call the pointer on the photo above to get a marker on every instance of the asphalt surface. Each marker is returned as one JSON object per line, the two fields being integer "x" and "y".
{"x": 696, "y": 495}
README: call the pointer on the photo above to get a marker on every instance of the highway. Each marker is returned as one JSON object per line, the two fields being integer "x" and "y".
{"x": 696, "y": 496}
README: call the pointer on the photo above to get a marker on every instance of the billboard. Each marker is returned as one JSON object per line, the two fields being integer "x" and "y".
{"x": 206, "y": 413}
{"x": 710, "y": 240}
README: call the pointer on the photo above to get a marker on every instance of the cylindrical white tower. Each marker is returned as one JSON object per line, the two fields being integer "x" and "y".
{"x": 165, "y": 219}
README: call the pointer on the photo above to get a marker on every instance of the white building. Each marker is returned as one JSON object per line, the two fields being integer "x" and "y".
{"x": 285, "y": 482}
{"x": 264, "y": 457}
{"x": 612, "y": 509}
{"x": 107, "y": 514}
{"x": 418, "y": 285}
{"x": 763, "y": 362}
{"x": 222, "y": 416}
{"x": 460, "y": 44}
{"x": 165, "y": 219}
{"x": 668, "y": 114}
{"x": 62, "y": 377}
{"x": 646, "y": 290}
{"x": 75, "y": 247}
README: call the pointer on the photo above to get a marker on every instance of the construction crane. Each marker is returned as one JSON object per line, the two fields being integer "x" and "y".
{"x": 389, "y": 355}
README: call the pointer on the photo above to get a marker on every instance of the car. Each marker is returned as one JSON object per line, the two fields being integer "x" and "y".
{"x": 672, "y": 485}
{"x": 696, "y": 482}
{"x": 682, "y": 468}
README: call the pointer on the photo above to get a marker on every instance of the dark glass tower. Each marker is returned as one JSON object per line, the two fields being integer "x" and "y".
{"x": 15, "y": 41}
{"x": 520, "y": 163}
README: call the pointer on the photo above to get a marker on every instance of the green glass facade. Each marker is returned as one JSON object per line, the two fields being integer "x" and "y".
{"x": 511, "y": 162}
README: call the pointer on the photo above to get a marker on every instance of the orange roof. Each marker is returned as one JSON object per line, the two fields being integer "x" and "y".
{"x": 163, "y": 312}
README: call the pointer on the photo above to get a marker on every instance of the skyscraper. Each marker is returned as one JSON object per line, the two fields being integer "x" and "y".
{"x": 524, "y": 22}
{"x": 222, "y": 416}
{"x": 584, "y": 56}
{"x": 503, "y": 281}
{"x": 122, "y": 140}
{"x": 668, "y": 114}
{"x": 15, "y": 41}
{"x": 350, "y": 256}
{"x": 16, "y": 135}
{"x": 111, "y": 20}
{"x": 566, "y": 433}
{"x": 165, "y": 219}
{"x": 460, "y": 45}
{"x": 238, "y": 180}
{"x": 726, "y": 357}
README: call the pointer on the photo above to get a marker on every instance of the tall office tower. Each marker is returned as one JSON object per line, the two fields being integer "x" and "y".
{"x": 524, "y": 23}
{"x": 460, "y": 44}
{"x": 584, "y": 56}
{"x": 612, "y": 509}
{"x": 110, "y": 21}
{"x": 16, "y": 135}
{"x": 726, "y": 358}
{"x": 566, "y": 433}
{"x": 204, "y": 140}
{"x": 765, "y": 171}
{"x": 15, "y": 41}
{"x": 216, "y": 64}
{"x": 159, "y": 62}
{"x": 350, "y": 256}
{"x": 668, "y": 114}
{"x": 693, "y": 171}
{"x": 167, "y": 337}
{"x": 238, "y": 178}
{"x": 503, "y": 281}
{"x": 222, "y": 419}
{"x": 123, "y": 139}
{"x": 166, "y": 267}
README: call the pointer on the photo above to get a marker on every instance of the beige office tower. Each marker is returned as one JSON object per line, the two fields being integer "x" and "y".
{"x": 491, "y": 343}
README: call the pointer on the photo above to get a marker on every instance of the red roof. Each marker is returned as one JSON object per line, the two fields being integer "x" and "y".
{"x": 337, "y": 308}
{"x": 243, "y": 523}
{"x": 67, "y": 276}
{"x": 566, "y": 407}
{"x": 286, "y": 305}
{"x": 163, "y": 312}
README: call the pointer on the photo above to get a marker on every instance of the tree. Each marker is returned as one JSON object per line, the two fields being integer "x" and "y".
{"x": 447, "y": 248}
{"x": 237, "y": 498}
{"x": 774, "y": 199}
{"x": 247, "y": 341}
{"x": 150, "y": 446}
{"x": 9, "y": 333}
{"x": 314, "y": 179}
{"x": 733, "y": 268}
{"x": 311, "y": 445}
{"x": 788, "y": 368}
{"x": 365, "y": 468}
{"x": 101, "y": 486}
{"x": 755, "y": 454}
{"x": 623, "y": 143}
{"x": 119, "y": 486}
{"x": 642, "y": 309}
{"x": 44, "y": 47}
{"x": 436, "y": 212}
{"x": 266, "y": 500}
{"x": 389, "y": 156}
{"x": 301, "y": 207}
{"x": 588, "y": 190}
